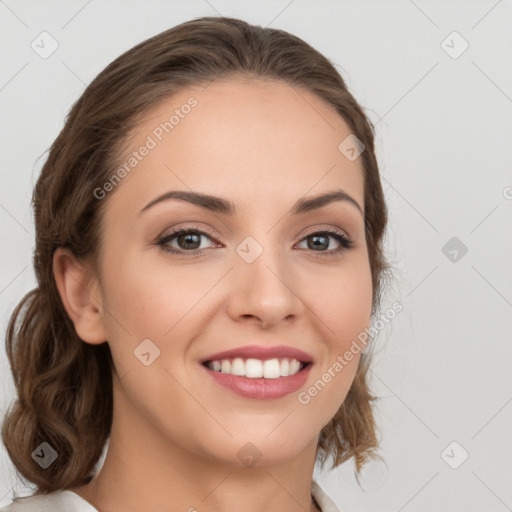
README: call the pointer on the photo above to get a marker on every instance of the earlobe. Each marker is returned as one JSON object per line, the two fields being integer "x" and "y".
{"x": 80, "y": 296}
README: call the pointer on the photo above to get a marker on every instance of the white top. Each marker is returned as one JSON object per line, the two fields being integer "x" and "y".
{"x": 69, "y": 501}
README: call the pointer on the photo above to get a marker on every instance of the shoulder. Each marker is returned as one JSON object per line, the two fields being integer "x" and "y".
{"x": 323, "y": 500}
{"x": 58, "y": 501}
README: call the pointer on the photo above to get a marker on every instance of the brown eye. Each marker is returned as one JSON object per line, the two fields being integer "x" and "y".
{"x": 183, "y": 240}
{"x": 189, "y": 241}
{"x": 321, "y": 241}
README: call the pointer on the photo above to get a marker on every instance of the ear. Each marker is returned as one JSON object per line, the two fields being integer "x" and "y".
{"x": 80, "y": 294}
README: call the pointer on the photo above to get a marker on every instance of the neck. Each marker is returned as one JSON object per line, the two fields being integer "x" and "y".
{"x": 145, "y": 470}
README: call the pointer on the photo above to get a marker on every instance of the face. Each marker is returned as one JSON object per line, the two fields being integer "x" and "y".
{"x": 253, "y": 273}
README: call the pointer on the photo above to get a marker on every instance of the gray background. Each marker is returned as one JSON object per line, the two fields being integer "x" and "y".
{"x": 443, "y": 137}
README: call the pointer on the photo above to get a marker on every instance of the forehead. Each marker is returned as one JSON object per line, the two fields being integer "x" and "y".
{"x": 257, "y": 141}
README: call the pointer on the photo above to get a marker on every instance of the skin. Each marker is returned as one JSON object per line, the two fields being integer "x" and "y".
{"x": 176, "y": 433}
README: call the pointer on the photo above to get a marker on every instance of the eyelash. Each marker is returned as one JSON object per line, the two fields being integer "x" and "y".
{"x": 345, "y": 242}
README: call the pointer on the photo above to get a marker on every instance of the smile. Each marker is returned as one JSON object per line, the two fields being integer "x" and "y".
{"x": 259, "y": 372}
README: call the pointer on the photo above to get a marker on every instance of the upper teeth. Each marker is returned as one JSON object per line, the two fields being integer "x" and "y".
{"x": 255, "y": 369}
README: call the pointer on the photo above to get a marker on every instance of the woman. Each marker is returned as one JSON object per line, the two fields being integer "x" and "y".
{"x": 209, "y": 229}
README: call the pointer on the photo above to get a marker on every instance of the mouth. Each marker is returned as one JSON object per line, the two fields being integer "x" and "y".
{"x": 259, "y": 372}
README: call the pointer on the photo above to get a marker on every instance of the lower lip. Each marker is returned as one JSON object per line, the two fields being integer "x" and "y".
{"x": 262, "y": 389}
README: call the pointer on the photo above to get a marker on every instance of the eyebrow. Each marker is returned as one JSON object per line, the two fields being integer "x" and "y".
{"x": 226, "y": 207}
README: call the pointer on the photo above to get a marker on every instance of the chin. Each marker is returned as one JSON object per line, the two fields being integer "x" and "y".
{"x": 263, "y": 450}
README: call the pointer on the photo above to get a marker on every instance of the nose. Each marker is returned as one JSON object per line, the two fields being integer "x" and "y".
{"x": 265, "y": 291}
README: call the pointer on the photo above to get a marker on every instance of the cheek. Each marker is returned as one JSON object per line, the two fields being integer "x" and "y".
{"x": 345, "y": 312}
{"x": 345, "y": 305}
{"x": 150, "y": 299}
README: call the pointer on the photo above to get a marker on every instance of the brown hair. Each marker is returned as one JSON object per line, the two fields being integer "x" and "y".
{"x": 64, "y": 385}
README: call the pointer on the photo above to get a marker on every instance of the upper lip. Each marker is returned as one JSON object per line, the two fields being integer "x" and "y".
{"x": 261, "y": 352}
